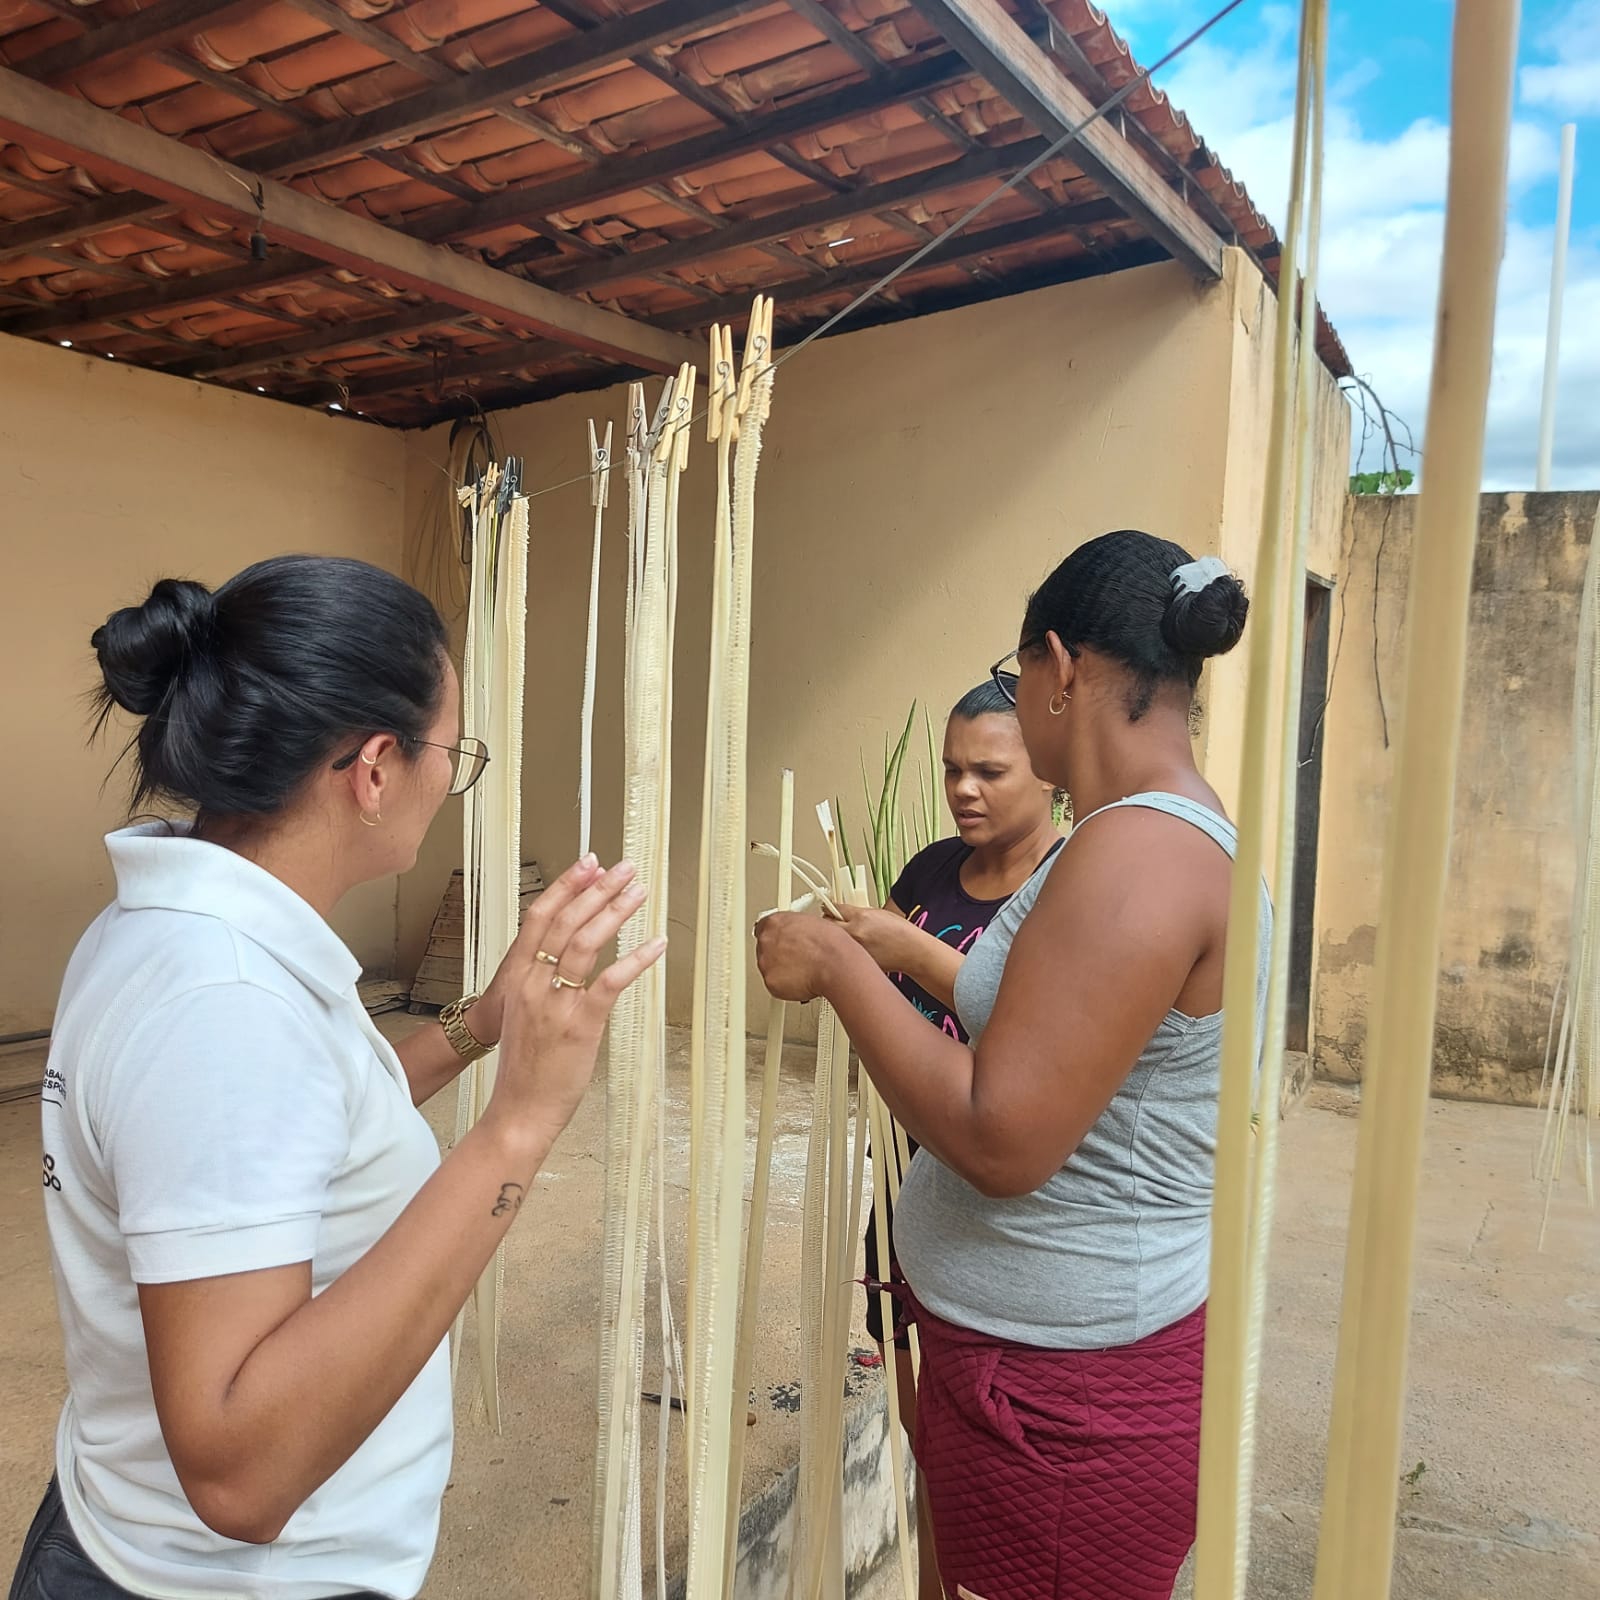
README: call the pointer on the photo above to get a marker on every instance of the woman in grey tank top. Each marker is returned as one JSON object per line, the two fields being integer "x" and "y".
{"x": 1054, "y": 1229}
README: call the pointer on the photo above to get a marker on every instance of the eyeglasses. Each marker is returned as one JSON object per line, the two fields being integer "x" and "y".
{"x": 1006, "y": 678}
{"x": 472, "y": 756}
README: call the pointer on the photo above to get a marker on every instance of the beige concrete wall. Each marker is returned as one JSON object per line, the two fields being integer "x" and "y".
{"x": 918, "y": 480}
{"x": 1253, "y": 333}
{"x": 1508, "y": 902}
{"x": 113, "y": 478}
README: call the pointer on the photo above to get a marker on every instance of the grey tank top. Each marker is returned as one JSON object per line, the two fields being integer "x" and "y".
{"x": 1116, "y": 1245}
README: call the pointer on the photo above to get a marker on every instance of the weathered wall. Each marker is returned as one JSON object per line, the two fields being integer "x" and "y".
{"x": 1507, "y": 906}
{"x": 918, "y": 480}
{"x": 111, "y": 479}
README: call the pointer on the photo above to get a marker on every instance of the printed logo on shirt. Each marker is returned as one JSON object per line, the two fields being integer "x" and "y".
{"x": 919, "y": 919}
{"x": 51, "y": 1181}
{"x": 959, "y": 936}
{"x": 54, "y": 1088}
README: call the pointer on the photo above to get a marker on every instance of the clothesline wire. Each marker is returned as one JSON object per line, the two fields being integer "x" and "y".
{"x": 922, "y": 252}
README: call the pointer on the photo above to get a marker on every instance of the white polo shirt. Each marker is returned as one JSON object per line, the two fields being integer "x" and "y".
{"x": 217, "y": 1101}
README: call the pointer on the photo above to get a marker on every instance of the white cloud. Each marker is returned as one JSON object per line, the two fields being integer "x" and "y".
{"x": 1383, "y": 225}
{"x": 1569, "y": 86}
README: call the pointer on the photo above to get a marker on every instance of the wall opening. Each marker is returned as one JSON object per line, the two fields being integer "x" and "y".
{"x": 1308, "y": 809}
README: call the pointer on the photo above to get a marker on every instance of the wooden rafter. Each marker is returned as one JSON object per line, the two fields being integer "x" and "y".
{"x": 530, "y": 203}
{"x": 618, "y": 176}
{"x": 969, "y": 247}
{"x": 436, "y": 70}
{"x": 467, "y": 96}
{"x": 261, "y": 354}
{"x": 284, "y": 266}
{"x": 138, "y": 32}
{"x": 999, "y": 51}
{"x": 454, "y": 99}
{"x": 42, "y": 119}
{"x": 580, "y": 14}
{"x": 506, "y": 359}
{"x": 624, "y": 176}
{"x": 874, "y": 198}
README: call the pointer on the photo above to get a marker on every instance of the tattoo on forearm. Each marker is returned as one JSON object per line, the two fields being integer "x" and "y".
{"x": 510, "y": 1199}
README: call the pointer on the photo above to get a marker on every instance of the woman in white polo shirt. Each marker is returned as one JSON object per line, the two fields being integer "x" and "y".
{"x": 258, "y": 1252}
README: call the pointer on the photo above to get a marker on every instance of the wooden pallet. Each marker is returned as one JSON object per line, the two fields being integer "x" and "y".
{"x": 439, "y": 978}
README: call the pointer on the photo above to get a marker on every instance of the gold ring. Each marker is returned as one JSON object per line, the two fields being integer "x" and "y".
{"x": 561, "y": 981}
{"x": 548, "y": 959}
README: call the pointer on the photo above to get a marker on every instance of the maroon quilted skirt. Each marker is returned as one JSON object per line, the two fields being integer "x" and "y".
{"x": 1060, "y": 1474}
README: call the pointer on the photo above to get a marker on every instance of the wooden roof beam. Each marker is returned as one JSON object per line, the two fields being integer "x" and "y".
{"x": 136, "y": 33}
{"x": 59, "y": 125}
{"x": 968, "y": 248}
{"x": 502, "y": 359}
{"x": 870, "y": 199}
{"x": 474, "y": 92}
{"x": 529, "y": 205}
{"x": 999, "y": 51}
{"x": 455, "y": 98}
{"x": 167, "y": 294}
{"x": 258, "y": 355}
{"x": 625, "y": 175}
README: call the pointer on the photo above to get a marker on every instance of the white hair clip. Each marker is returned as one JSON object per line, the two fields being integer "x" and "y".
{"x": 1193, "y": 576}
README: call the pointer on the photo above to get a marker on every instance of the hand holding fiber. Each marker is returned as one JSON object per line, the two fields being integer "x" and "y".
{"x": 794, "y": 953}
{"x": 886, "y": 936}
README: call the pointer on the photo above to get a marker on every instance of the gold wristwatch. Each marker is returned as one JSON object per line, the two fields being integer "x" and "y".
{"x": 453, "y": 1020}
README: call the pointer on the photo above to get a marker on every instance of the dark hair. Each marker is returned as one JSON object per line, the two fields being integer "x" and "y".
{"x": 245, "y": 691}
{"x": 1115, "y": 595}
{"x": 985, "y": 700}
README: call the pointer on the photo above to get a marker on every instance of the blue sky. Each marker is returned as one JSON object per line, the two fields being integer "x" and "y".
{"x": 1384, "y": 192}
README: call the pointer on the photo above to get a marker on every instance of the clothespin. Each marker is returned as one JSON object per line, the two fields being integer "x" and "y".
{"x": 724, "y": 384}
{"x": 599, "y": 468}
{"x": 683, "y": 418}
{"x": 658, "y": 423}
{"x": 636, "y": 425}
{"x": 757, "y": 349}
{"x": 674, "y": 410}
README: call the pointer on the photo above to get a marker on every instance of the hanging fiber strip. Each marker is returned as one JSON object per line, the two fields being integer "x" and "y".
{"x": 492, "y": 674}
{"x": 1244, "y": 1189}
{"x": 1355, "y": 1545}
{"x": 636, "y": 1067}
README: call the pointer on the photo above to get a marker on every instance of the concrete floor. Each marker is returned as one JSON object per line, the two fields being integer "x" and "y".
{"x": 1505, "y": 1370}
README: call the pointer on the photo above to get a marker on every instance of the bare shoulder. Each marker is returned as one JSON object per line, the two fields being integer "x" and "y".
{"x": 1133, "y": 855}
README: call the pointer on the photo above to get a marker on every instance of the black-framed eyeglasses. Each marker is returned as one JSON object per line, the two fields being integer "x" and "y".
{"x": 1006, "y": 678}
{"x": 472, "y": 756}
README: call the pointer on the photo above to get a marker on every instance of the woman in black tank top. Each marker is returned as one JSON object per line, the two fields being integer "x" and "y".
{"x": 935, "y": 912}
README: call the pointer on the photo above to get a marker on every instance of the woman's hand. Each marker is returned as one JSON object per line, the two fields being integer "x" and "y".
{"x": 886, "y": 936}
{"x": 486, "y": 1019}
{"x": 794, "y": 952}
{"x": 550, "y": 1033}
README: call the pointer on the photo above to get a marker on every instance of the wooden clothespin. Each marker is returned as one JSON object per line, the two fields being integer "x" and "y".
{"x": 757, "y": 349}
{"x": 636, "y": 425}
{"x": 683, "y": 418}
{"x": 658, "y": 423}
{"x": 674, "y": 410}
{"x": 600, "y": 468}
{"x": 723, "y": 383}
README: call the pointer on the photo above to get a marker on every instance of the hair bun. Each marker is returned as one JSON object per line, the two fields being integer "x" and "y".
{"x": 1204, "y": 622}
{"x": 142, "y": 649}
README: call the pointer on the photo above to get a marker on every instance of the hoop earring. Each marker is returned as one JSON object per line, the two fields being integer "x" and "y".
{"x": 370, "y": 761}
{"x": 371, "y": 822}
{"x": 1063, "y": 697}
